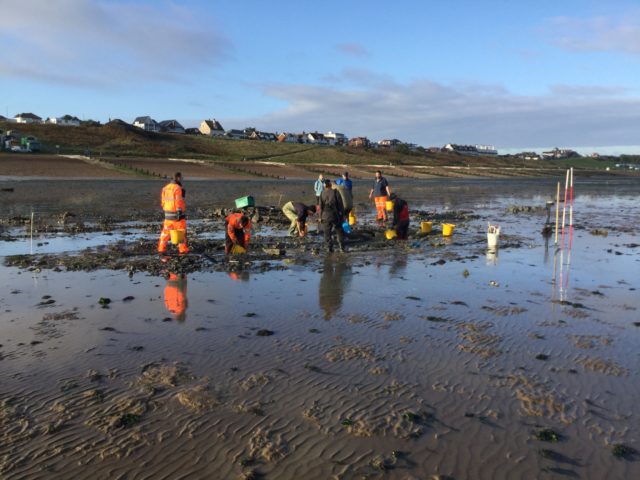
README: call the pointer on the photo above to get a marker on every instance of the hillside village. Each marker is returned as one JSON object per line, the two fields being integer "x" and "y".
{"x": 213, "y": 128}
{"x": 13, "y": 140}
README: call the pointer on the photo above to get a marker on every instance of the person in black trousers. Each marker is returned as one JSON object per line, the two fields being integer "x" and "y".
{"x": 332, "y": 215}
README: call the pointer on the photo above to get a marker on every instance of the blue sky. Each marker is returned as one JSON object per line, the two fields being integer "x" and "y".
{"x": 517, "y": 75}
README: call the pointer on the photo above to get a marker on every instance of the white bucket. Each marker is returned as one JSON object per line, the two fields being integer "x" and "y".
{"x": 493, "y": 236}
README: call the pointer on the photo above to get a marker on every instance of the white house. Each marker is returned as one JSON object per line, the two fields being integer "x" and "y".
{"x": 27, "y": 118}
{"x": 316, "y": 138}
{"x": 213, "y": 128}
{"x": 389, "y": 142}
{"x": 66, "y": 120}
{"x": 557, "y": 153}
{"x": 486, "y": 150}
{"x": 461, "y": 149}
{"x": 147, "y": 124}
{"x": 336, "y": 138}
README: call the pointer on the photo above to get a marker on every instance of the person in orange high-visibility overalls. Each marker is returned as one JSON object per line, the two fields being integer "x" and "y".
{"x": 237, "y": 231}
{"x": 175, "y": 296}
{"x": 174, "y": 207}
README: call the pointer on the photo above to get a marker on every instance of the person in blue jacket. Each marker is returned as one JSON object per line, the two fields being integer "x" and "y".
{"x": 346, "y": 181}
{"x": 318, "y": 187}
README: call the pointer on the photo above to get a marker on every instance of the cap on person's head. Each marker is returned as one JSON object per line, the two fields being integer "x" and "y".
{"x": 327, "y": 183}
{"x": 177, "y": 176}
{"x": 345, "y": 174}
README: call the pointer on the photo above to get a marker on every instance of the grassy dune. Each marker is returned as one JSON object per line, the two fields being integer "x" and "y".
{"x": 121, "y": 140}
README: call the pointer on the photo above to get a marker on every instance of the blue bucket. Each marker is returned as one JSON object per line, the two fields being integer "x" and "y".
{"x": 346, "y": 228}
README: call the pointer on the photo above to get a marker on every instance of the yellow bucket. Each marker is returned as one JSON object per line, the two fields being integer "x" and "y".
{"x": 352, "y": 218}
{"x": 389, "y": 206}
{"x": 447, "y": 229}
{"x": 425, "y": 227}
{"x": 237, "y": 250}
{"x": 390, "y": 234}
{"x": 177, "y": 236}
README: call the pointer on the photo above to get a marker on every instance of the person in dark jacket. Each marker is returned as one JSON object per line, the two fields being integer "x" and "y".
{"x": 332, "y": 215}
{"x": 380, "y": 193}
{"x": 400, "y": 216}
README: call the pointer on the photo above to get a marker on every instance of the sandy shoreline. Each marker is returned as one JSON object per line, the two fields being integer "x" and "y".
{"x": 430, "y": 359}
{"x": 78, "y": 166}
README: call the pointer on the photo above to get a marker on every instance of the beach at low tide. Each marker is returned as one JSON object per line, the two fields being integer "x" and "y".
{"x": 433, "y": 357}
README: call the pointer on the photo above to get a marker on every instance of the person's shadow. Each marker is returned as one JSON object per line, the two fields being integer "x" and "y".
{"x": 334, "y": 282}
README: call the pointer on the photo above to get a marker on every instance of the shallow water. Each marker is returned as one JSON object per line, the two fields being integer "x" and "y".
{"x": 452, "y": 366}
{"x": 22, "y": 243}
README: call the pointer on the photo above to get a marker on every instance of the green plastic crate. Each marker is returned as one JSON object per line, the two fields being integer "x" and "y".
{"x": 243, "y": 202}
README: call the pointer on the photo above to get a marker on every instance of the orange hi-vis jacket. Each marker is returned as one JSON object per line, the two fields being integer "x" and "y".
{"x": 172, "y": 201}
{"x": 233, "y": 224}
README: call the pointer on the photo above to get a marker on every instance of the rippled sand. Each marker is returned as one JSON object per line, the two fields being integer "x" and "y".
{"x": 356, "y": 366}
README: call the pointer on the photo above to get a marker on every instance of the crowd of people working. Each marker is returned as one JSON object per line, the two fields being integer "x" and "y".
{"x": 334, "y": 208}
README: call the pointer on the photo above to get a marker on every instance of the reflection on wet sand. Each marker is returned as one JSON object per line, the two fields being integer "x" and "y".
{"x": 492, "y": 256}
{"x": 434, "y": 364}
{"x": 398, "y": 266}
{"x": 335, "y": 280}
{"x": 175, "y": 296}
{"x": 239, "y": 276}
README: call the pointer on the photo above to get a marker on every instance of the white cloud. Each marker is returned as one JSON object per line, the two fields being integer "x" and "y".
{"x": 91, "y": 42}
{"x": 599, "y": 34}
{"x": 431, "y": 113}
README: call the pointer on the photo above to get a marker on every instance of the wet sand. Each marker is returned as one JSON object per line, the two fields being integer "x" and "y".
{"x": 432, "y": 358}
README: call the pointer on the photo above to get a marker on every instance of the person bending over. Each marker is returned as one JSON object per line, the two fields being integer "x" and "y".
{"x": 237, "y": 231}
{"x": 400, "y": 216}
{"x": 297, "y": 213}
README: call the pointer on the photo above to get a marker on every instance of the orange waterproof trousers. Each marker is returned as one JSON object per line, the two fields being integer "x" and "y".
{"x": 165, "y": 235}
{"x": 381, "y": 207}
